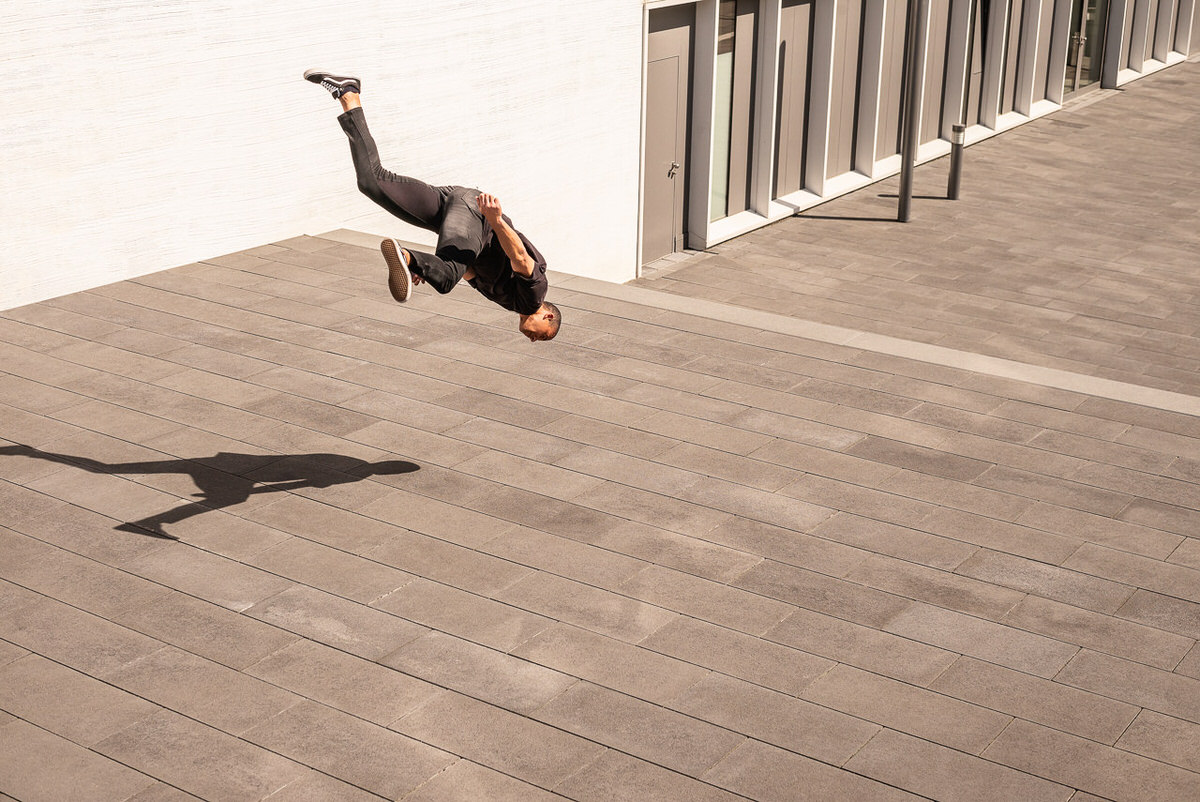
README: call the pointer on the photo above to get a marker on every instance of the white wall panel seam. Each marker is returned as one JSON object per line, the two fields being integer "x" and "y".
{"x": 820, "y": 94}
{"x": 1030, "y": 40}
{"x": 871, "y": 87}
{"x": 1139, "y": 33}
{"x": 1060, "y": 39}
{"x": 994, "y": 64}
{"x": 766, "y": 108}
{"x": 704, "y": 111}
{"x": 958, "y": 49}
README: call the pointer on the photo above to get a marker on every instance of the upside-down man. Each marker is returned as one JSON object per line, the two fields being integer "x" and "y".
{"x": 476, "y": 240}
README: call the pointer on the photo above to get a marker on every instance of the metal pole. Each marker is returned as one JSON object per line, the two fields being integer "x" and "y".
{"x": 958, "y": 137}
{"x": 914, "y": 49}
{"x": 966, "y": 95}
{"x": 957, "y": 142}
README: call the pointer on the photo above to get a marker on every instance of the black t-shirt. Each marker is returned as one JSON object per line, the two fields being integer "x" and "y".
{"x": 497, "y": 281}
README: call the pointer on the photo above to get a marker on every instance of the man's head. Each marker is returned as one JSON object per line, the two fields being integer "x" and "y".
{"x": 542, "y": 324}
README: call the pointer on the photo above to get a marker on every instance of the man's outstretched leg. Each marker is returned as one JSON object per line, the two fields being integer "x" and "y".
{"x": 409, "y": 199}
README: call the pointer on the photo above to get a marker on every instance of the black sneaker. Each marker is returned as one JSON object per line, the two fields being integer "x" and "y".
{"x": 399, "y": 277}
{"x": 337, "y": 85}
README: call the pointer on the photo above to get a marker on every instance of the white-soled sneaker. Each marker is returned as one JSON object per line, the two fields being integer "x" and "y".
{"x": 400, "y": 280}
{"x": 337, "y": 85}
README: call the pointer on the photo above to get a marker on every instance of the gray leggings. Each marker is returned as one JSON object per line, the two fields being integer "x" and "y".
{"x": 450, "y": 211}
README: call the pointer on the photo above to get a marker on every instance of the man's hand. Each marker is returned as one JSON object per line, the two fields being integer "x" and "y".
{"x": 489, "y": 206}
{"x": 514, "y": 249}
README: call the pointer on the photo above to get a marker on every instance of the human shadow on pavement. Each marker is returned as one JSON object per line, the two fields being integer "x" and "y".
{"x": 227, "y": 478}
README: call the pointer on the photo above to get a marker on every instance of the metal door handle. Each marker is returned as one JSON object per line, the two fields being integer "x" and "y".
{"x": 674, "y": 167}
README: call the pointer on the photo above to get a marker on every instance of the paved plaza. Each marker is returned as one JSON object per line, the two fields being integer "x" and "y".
{"x": 843, "y": 509}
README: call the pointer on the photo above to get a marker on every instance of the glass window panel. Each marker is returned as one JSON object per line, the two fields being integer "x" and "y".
{"x": 723, "y": 118}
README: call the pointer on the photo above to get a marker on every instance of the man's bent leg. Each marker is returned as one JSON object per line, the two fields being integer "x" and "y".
{"x": 409, "y": 199}
{"x": 460, "y": 241}
{"x": 441, "y": 274}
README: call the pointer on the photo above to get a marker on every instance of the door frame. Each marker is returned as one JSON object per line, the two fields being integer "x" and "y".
{"x": 663, "y": 224}
{"x": 1102, "y": 44}
{"x": 702, "y": 64}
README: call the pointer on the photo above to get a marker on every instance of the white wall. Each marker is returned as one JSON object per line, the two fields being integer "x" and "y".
{"x": 141, "y": 135}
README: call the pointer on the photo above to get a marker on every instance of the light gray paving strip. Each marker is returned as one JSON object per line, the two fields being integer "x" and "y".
{"x": 893, "y": 346}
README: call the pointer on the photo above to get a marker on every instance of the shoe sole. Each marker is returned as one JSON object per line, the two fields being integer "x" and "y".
{"x": 399, "y": 278}
{"x": 317, "y": 76}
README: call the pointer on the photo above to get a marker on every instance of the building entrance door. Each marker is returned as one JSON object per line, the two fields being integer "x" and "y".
{"x": 664, "y": 183}
{"x": 1085, "y": 51}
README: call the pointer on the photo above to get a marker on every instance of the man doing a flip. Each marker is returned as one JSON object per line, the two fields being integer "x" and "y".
{"x": 476, "y": 240}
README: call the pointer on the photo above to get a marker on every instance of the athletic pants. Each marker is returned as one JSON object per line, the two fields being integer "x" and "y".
{"x": 449, "y": 211}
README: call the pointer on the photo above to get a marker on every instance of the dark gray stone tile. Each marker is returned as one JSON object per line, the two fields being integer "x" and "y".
{"x": 1023, "y": 696}
{"x": 675, "y": 741}
{"x": 355, "y": 628}
{"x": 66, "y": 702}
{"x": 343, "y": 681}
{"x": 937, "y": 772}
{"x": 369, "y": 756}
{"x": 153, "y": 746}
{"x": 36, "y": 764}
{"x": 761, "y": 771}
{"x": 514, "y": 745}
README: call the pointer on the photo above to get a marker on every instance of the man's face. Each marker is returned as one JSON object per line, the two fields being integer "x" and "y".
{"x": 537, "y": 327}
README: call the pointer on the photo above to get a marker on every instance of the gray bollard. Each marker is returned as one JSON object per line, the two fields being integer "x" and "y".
{"x": 958, "y": 141}
{"x": 910, "y": 102}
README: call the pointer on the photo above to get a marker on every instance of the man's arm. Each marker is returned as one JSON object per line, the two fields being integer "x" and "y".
{"x": 514, "y": 249}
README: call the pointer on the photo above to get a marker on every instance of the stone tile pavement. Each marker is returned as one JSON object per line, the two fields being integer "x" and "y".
{"x": 1073, "y": 245}
{"x": 665, "y": 557}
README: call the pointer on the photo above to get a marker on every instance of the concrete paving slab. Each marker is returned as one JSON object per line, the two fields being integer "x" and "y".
{"x": 910, "y": 512}
{"x": 1083, "y": 271}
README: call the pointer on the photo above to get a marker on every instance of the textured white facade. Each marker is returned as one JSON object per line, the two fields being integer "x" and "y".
{"x": 143, "y": 134}
{"x": 139, "y": 135}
